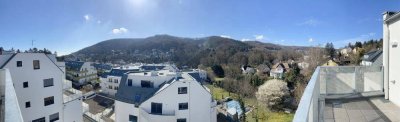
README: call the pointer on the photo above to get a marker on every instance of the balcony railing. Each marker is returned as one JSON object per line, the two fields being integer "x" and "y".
{"x": 10, "y": 110}
{"x": 336, "y": 83}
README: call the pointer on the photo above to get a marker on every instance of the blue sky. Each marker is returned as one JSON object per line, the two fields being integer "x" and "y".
{"x": 66, "y": 26}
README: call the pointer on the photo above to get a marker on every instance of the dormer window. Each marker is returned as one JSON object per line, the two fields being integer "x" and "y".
{"x": 129, "y": 82}
{"x": 146, "y": 84}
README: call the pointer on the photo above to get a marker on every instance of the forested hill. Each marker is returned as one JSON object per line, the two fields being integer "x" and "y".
{"x": 182, "y": 51}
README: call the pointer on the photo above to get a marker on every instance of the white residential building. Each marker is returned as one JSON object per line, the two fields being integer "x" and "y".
{"x": 372, "y": 58}
{"x": 164, "y": 96}
{"x": 391, "y": 59}
{"x": 278, "y": 70}
{"x": 39, "y": 85}
{"x": 110, "y": 80}
{"x": 80, "y": 73}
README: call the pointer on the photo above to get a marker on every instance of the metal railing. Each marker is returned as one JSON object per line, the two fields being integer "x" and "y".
{"x": 337, "y": 83}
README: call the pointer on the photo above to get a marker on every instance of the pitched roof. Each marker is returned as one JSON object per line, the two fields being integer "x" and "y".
{"x": 284, "y": 65}
{"x": 76, "y": 65}
{"x": 148, "y": 67}
{"x": 136, "y": 94}
{"x": 372, "y": 55}
{"x": 118, "y": 72}
{"x": 263, "y": 68}
{"x": 102, "y": 66}
{"x": 196, "y": 76}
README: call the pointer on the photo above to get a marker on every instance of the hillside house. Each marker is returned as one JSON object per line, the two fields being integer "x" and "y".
{"x": 279, "y": 69}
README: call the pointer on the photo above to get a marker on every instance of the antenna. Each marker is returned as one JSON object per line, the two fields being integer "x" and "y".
{"x": 32, "y": 43}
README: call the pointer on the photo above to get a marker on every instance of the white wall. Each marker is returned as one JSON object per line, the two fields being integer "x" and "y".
{"x": 392, "y": 34}
{"x": 73, "y": 111}
{"x": 105, "y": 85}
{"x": 36, "y": 93}
{"x": 123, "y": 110}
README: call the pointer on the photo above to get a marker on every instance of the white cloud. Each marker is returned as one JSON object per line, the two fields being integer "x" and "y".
{"x": 310, "y": 40}
{"x": 259, "y": 37}
{"x": 310, "y": 22}
{"x": 225, "y": 36}
{"x": 98, "y": 22}
{"x": 87, "y": 17}
{"x": 121, "y": 30}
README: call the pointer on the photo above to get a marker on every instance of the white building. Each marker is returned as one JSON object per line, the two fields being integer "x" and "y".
{"x": 39, "y": 85}
{"x": 164, "y": 96}
{"x": 374, "y": 57}
{"x": 109, "y": 81}
{"x": 80, "y": 73}
{"x": 391, "y": 59}
{"x": 278, "y": 70}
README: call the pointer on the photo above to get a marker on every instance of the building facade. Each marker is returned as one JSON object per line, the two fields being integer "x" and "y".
{"x": 161, "y": 96}
{"x": 80, "y": 73}
{"x": 39, "y": 85}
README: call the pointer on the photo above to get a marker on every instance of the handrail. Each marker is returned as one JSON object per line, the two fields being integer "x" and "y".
{"x": 306, "y": 102}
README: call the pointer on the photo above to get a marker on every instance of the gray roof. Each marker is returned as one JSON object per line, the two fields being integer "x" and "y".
{"x": 102, "y": 66}
{"x": 136, "y": 94}
{"x": 75, "y": 65}
{"x": 372, "y": 55}
{"x": 118, "y": 72}
{"x": 153, "y": 68}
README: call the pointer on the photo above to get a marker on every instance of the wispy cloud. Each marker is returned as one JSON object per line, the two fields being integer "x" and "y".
{"x": 87, "y": 17}
{"x": 310, "y": 22}
{"x": 259, "y": 37}
{"x": 121, "y": 30}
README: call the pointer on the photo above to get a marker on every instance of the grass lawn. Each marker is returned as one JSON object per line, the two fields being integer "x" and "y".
{"x": 261, "y": 111}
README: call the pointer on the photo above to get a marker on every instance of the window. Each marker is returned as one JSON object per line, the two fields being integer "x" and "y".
{"x": 116, "y": 88}
{"x": 156, "y": 108}
{"x": 181, "y": 120}
{"x": 129, "y": 82}
{"x": 145, "y": 73}
{"x": 110, "y": 80}
{"x": 48, "y": 82}
{"x": 19, "y": 63}
{"x": 182, "y": 90}
{"x": 27, "y": 104}
{"x": 54, "y": 117}
{"x": 110, "y": 87}
{"x": 183, "y": 106}
{"x": 48, "y": 101}
{"x": 115, "y": 80}
{"x": 40, "y": 120}
{"x": 146, "y": 84}
{"x": 132, "y": 118}
{"x": 25, "y": 84}
{"x": 36, "y": 64}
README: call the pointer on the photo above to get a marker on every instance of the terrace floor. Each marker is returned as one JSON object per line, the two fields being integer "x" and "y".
{"x": 374, "y": 109}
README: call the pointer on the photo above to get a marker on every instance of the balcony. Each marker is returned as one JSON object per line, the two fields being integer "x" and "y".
{"x": 346, "y": 94}
{"x": 69, "y": 93}
{"x": 9, "y": 107}
{"x": 166, "y": 116}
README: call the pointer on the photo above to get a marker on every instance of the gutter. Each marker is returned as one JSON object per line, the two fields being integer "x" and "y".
{"x": 397, "y": 15}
